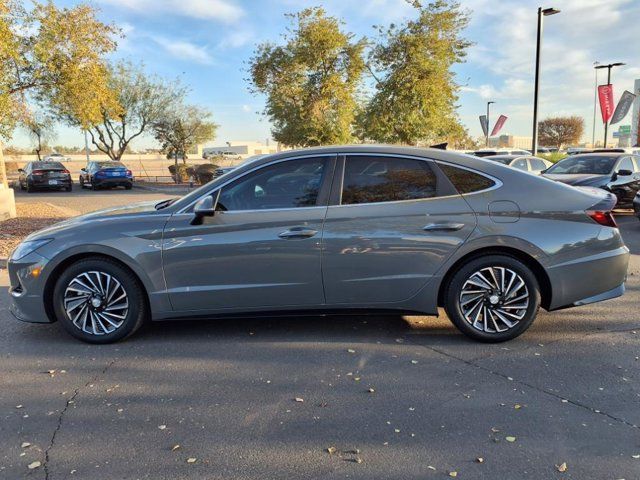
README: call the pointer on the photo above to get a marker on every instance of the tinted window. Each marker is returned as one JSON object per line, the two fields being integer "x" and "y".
{"x": 537, "y": 164}
{"x": 626, "y": 164}
{"x": 109, "y": 165}
{"x": 594, "y": 164}
{"x": 386, "y": 179}
{"x": 466, "y": 181}
{"x": 47, "y": 166}
{"x": 520, "y": 164}
{"x": 289, "y": 184}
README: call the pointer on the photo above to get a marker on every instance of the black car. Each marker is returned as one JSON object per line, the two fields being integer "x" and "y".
{"x": 618, "y": 173}
{"x": 44, "y": 175}
{"x": 105, "y": 174}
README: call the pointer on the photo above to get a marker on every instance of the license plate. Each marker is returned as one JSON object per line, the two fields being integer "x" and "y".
{"x": 53, "y": 182}
{"x": 114, "y": 174}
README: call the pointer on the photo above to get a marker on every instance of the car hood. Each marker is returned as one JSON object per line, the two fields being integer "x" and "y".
{"x": 583, "y": 179}
{"x": 142, "y": 208}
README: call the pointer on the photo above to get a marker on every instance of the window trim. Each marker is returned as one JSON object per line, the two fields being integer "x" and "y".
{"x": 327, "y": 180}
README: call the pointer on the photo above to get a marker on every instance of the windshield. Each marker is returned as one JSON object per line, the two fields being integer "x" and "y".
{"x": 582, "y": 164}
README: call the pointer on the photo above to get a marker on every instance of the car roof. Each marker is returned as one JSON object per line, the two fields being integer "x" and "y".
{"x": 507, "y": 156}
{"x": 599, "y": 154}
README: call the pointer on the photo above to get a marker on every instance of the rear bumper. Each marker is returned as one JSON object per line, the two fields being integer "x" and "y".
{"x": 112, "y": 182}
{"x": 44, "y": 184}
{"x": 590, "y": 279}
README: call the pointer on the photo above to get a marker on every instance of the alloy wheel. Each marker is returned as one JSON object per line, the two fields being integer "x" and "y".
{"x": 96, "y": 302}
{"x": 494, "y": 299}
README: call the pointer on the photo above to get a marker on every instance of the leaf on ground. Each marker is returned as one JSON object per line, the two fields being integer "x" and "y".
{"x": 453, "y": 474}
{"x": 191, "y": 460}
{"x": 371, "y": 390}
{"x": 299, "y": 400}
{"x": 33, "y": 465}
{"x": 562, "y": 467}
{"x": 175, "y": 447}
{"x": 25, "y": 445}
{"x": 162, "y": 427}
{"x": 635, "y": 456}
{"x": 351, "y": 350}
{"x": 517, "y": 406}
{"x": 510, "y": 439}
{"x": 480, "y": 460}
{"x": 331, "y": 450}
{"x": 414, "y": 361}
{"x": 18, "y": 406}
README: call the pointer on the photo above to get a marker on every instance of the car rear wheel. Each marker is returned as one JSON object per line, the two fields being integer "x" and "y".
{"x": 99, "y": 301}
{"x": 493, "y": 298}
{"x": 30, "y": 188}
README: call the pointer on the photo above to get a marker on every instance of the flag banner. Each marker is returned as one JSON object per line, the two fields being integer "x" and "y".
{"x": 483, "y": 123}
{"x": 499, "y": 124}
{"x": 624, "y": 104}
{"x": 605, "y": 95}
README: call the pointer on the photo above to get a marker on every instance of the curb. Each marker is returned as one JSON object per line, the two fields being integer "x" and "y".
{"x": 168, "y": 190}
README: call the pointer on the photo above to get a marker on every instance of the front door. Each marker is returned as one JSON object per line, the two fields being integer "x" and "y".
{"x": 262, "y": 247}
{"x": 398, "y": 220}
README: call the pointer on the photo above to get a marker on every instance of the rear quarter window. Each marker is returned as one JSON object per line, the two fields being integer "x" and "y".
{"x": 466, "y": 181}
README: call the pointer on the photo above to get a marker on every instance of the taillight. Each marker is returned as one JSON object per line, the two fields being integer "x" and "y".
{"x": 603, "y": 218}
{"x": 37, "y": 172}
{"x": 129, "y": 173}
{"x": 65, "y": 171}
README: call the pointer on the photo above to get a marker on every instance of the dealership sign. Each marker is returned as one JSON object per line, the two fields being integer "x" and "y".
{"x": 605, "y": 95}
{"x": 484, "y": 124}
{"x": 624, "y": 104}
{"x": 499, "y": 124}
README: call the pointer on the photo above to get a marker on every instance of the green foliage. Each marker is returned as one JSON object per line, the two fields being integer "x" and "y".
{"x": 39, "y": 127}
{"x": 55, "y": 55}
{"x": 415, "y": 94}
{"x": 141, "y": 101}
{"x": 553, "y": 157}
{"x": 182, "y": 129}
{"x": 559, "y": 131}
{"x": 310, "y": 81}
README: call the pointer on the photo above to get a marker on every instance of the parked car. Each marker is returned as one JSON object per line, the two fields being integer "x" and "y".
{"x": 44, "y": 175}
{"x": 486, "y": 152}
{"x": 320, "y": 230}
{"x": 105, "y": 174}
{"x": 526, "y": 163}
{"x": 55, "y": 157}
{"x": 618, "y": 173}
{"x": 222, "y": 171}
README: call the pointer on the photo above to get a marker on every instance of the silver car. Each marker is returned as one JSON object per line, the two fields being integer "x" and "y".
{"x": 342, "y": 229}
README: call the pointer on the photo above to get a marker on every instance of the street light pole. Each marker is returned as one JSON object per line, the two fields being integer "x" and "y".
{"x": 488, "y": 123}
{"x": 608, "y": 67}
{"x": 595, "y": 101}
{"x": 541, "y": 13}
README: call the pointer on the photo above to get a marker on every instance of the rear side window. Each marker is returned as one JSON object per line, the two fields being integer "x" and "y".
{"x": 537, "y": 164}
{"x": 466, "y": 181}
{"x": 372, "y": 179}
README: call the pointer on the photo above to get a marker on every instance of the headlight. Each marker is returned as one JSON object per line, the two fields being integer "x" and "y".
{"x": 25, "y": 248}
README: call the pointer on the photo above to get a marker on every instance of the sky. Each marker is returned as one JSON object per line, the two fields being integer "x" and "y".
{"x": 207, "y": 43}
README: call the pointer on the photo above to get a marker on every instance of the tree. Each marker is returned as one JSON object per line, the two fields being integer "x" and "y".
{"x": 310, "y": 81}
{"x": 181, "y": 130}
{"x": 141, "y": 101}
{"x": 559, "y": 131}
{"x": 415, "y": 90}
{"x": 40, "y": 129}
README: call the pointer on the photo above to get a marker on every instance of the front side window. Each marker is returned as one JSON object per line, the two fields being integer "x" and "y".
{"x": 466, "y": 181}
{"x": 288, "y": 184}
{"x": 372, "y": 179}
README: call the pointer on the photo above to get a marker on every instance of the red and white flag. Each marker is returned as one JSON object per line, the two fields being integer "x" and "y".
{"x": 499, "y": 124}
{"x": 605, "y": 95}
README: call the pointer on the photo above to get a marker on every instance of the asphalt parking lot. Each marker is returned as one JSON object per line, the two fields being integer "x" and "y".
{"x": 391, "y": 399}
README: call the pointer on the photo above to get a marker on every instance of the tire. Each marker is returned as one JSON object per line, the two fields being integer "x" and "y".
{"x": 467, "y": 298}
{"x": 81, "y": 181}
{"x": 98, "y": 325}
{"x": 30, "y": 189}
{"x": 128, "y": 187}
{"x": 22, "y": 187}
{"x": 69, "y": 188}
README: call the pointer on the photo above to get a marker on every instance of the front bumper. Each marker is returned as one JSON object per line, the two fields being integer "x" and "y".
{"x": 26, "y": 288}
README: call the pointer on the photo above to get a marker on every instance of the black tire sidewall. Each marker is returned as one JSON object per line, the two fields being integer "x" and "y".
{"x": 137, "y": 304}
{"x": 452, "y": 305}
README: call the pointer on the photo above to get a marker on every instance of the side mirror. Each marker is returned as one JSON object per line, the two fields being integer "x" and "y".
{"x": 20, "y": 170}
{"x": 624, "y": 172}
{"x": 205, "y": 207}
{"x": 84, "y": 170}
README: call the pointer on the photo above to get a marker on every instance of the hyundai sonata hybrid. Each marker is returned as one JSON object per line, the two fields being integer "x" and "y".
{"x": 359, "y": 229}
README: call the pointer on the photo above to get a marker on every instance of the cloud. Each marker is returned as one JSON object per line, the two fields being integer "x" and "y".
{"x": 185, "y": 50}
{"x": 246, "y": 108}
{"x": 225, "y": 11}
{"x": 236, "y": 39}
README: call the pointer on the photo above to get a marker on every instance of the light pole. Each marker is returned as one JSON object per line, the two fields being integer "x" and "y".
{"x": 608, "y": 67}
{"x": 595, "y": 101}
{"x": 488, "y": 123}
{"x": 542, "y": 12}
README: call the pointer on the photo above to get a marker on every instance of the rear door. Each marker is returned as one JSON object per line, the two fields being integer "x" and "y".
{"x": 393, "y": 222}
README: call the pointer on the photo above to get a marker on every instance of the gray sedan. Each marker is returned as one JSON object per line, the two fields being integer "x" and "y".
{"x": 358, "y": 229}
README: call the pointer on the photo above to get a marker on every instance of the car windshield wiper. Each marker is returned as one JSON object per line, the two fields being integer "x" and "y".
{"x": 165, "y": 203}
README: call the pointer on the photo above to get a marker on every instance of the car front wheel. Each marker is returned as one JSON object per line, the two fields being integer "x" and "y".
{"x": 99, "y": 301}
{"x": 493, "y": 298}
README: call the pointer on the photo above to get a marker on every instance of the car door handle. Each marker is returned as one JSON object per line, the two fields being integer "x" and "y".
{"x": 443, "y": 227}
{"x": 298, "y": 232}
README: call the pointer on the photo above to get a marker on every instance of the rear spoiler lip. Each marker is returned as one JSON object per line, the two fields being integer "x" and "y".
{"x": 607, "y": 204}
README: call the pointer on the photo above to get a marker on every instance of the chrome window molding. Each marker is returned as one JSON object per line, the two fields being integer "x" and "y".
{"x": 258, "y": 167}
